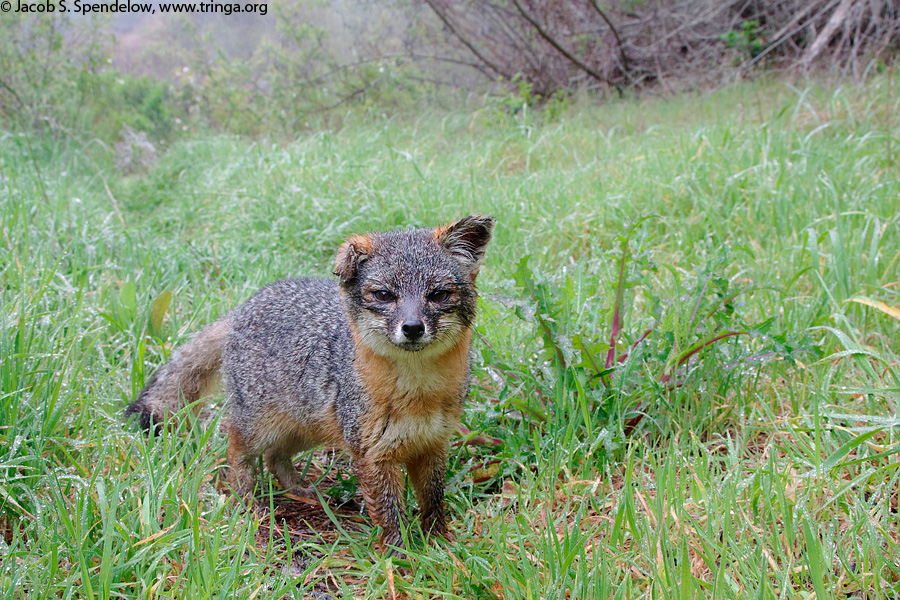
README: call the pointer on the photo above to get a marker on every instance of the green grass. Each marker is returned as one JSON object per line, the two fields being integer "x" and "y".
{"x": 761, "y": 465}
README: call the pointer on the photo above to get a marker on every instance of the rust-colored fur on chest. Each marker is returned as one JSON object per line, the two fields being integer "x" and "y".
{"x": 416, "y": 402}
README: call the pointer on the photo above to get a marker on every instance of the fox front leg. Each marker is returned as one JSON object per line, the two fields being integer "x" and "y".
{"x": 382, "y": 483}
{"x": 241, "y": 462}
{"x": 427, "y": 474}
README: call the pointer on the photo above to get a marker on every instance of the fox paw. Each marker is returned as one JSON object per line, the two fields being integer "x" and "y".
{"x": 303, "y": 494}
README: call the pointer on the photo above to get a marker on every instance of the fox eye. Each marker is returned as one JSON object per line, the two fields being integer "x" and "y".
{"x": 438, "y": 295}
{"x": 382, "y": 295}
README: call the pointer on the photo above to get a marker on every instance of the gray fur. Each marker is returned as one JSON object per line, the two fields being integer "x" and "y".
{"x": 290, "y": 353}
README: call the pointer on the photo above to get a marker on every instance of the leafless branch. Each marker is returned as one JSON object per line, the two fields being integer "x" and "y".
{"x": 837, "y": 17}
{"x": 550, "y": 40}
{"x": 453, "y": 30}
{"x": 612, "y": 28}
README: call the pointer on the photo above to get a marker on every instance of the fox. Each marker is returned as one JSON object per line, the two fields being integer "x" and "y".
{"x": 375, "y": 361}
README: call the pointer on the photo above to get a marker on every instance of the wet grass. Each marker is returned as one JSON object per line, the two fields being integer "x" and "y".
{"x": 760, "y": 465}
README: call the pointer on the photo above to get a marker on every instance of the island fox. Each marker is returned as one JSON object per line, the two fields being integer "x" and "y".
{"x": 376, "y": 363}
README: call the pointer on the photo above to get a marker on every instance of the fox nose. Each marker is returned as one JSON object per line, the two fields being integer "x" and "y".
{"x": 413, "y": 330}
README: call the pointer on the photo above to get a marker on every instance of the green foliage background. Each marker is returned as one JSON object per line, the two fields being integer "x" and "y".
{"x": 678, "y": 391}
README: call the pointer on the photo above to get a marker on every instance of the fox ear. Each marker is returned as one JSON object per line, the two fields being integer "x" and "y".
{"x": 351, "y": 255}
{"x": 467, "y": 239}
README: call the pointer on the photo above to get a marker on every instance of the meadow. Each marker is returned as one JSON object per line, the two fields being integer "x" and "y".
{"x": 686, "y": 373}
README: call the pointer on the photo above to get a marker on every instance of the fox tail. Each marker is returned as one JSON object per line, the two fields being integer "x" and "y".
{"x": 191, "y": 373}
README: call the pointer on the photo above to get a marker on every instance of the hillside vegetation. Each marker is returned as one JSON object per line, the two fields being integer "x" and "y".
{"x": 686, "y": 377}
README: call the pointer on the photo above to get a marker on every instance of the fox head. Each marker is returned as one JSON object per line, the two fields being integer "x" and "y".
{"x": 413, "y": 291}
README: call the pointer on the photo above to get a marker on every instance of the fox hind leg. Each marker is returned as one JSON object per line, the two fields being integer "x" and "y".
{"x": 279, "y": 461}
